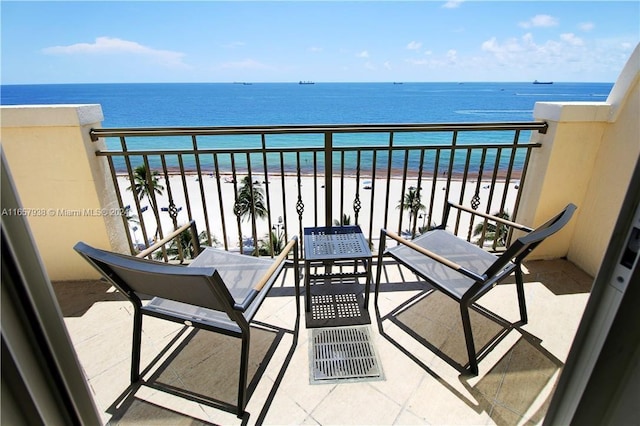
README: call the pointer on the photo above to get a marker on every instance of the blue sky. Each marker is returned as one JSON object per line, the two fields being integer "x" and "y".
{"x": 329, "y": 41}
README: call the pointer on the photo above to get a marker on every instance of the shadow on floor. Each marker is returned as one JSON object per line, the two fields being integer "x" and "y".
{"x": 512, "y": 386}
{"x": 203, "y": 367}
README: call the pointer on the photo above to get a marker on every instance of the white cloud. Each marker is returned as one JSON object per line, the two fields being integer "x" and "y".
{"x": 572, "y": 39}
{"x": 315, "y": 49}
{"x": 540, "y": 21}
{"x": 387, "y": 65}
{"x": 111, "y": 45}
{"x": 414, "y": 45}
{"x": 452, "y": 4}
{"x": 363, "y": 54}
{"x": 452, "y": 55}
{"x": 586, "y": 26}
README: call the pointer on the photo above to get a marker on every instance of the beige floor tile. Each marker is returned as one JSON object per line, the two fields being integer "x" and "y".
{"x": 356, "y": 404}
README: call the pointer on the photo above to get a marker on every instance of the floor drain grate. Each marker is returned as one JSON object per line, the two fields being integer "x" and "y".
{"x": 343, "y": 353}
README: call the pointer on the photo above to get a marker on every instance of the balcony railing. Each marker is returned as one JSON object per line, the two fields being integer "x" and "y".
{"x": 270, "y": 181}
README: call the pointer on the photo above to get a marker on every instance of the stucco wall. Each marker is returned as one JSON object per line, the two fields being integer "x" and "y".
{"x": 615, "y": 160}
{"x": 66, "y": 191}
{"x": 587, "y": 158}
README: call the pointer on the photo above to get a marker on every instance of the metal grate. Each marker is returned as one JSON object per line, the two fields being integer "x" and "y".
{"x": 332, "y": 306}
{"x": 343, "y": 353}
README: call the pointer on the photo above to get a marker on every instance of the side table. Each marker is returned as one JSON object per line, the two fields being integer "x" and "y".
{"x": 325, "y": 246}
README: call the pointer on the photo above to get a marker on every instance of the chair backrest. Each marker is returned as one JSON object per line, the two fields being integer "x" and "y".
{"x": 137, "y": 278}
{"x": 521, "y": 248}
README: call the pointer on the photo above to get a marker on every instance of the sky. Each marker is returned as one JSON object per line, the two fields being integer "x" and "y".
{"x": 321, "y": 41}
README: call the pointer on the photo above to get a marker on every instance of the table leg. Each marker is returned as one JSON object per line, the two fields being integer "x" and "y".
{"x": 307, "y": 286}
{"x": 367, "y": 285}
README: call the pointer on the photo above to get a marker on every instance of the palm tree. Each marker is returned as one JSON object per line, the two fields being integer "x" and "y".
{"x": 146, "y": 184}
{"x": 493, "y": 232}
{"x": 183, "y": 243}
{"x": 250, "y": 200}
{"x": 346, "y": 220}
{"x": 274, "y": 241}
{"x": 411, "y": 202}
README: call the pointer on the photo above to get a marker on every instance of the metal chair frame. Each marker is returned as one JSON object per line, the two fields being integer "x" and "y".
{"x": 510, "y": 261}
{"x": 200, "y": 287}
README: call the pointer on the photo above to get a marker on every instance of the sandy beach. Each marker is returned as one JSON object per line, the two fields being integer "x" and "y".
{"x": 282, "y": 195}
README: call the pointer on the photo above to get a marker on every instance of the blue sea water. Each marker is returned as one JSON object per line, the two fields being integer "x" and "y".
{"x": 222, "y": 104}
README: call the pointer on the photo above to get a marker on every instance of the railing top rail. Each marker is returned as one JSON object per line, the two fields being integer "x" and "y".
{"x": 540, "y": 126}
{"x": 173, "y": 151}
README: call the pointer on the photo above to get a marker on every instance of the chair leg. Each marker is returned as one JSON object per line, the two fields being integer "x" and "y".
{"x": 520, "y": 290}
{"x": 379, "y": 267}
{"x": 244, "y": 372}
{"x": 136, "y": 345}
{"x": 468, "y": 336}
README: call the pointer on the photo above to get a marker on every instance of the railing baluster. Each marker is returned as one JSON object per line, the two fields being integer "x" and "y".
{"x": 357, "y": 204}
{"x": 389, "y": 166}
{"x": 434, "y": 184}
{"x": 263, "y": 142}
{"x": 284, "y": 195}
{"x": 151, "y": 194}
{"x": 342, "y": 194}
{"x": 194, "y": 142}
{"x": 236, "y": 206}
{"x": 328, "y": 178}
{"x": 419, "y": 193}
{"x": 374, "y": 161}
{"x": 402, "y": 192}
{"x": 125, "y": 217}
{"x": 315, "y": 187}
{"x": 299, "y": 203}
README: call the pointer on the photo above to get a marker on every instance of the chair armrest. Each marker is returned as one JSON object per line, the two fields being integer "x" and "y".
{"x": 492, "y": 217}
{"x": 191, "y": 225}
{"x": 281, "y": 258}
{"x": 291, "y": 245}
{"x": 434, "y": 256}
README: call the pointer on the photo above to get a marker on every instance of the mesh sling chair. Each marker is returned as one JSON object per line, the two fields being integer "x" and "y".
{"x": 464, "y": 271}
{"x": 219, "y": 291}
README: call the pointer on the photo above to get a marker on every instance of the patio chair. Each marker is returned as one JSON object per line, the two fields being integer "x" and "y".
{"x": 219, "y": 291}
{"x": 462, "y": 270}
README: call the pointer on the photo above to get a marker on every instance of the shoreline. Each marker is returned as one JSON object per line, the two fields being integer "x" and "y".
{"x": 395, "y": 174}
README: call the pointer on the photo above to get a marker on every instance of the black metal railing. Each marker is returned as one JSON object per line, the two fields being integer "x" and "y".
{"x": 270, "y": 181}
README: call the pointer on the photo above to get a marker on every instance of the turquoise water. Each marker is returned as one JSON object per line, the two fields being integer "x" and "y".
{"x": 222, "y": 104}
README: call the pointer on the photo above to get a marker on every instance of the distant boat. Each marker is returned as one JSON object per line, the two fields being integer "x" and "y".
{"x": 397, "y": 82}
{"x": 306, "y": 82}
{"x": 542, "y": 82}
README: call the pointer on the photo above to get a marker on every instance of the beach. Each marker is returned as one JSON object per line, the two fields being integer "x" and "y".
{"x": 283, "y": 196}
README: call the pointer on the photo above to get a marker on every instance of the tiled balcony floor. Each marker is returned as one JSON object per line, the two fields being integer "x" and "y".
{"x": 191, "y": 372}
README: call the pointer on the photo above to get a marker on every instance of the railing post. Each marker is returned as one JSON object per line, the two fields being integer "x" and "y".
{"x": 328, "y": 178}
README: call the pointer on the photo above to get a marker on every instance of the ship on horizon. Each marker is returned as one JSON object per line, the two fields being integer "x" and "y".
{"x": 306, "y": 82}
{"x": 542, "y": 82}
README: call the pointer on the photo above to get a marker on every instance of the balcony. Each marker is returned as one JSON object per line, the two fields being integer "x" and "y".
{"x": 184, "y": 382}
{"x": 582, "y": 153}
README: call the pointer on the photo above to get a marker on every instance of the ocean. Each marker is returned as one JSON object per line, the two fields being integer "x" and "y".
{"x": 223, "y": 104}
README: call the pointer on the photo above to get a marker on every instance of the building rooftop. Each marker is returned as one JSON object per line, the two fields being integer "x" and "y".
{"x": 189, "y": 375}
